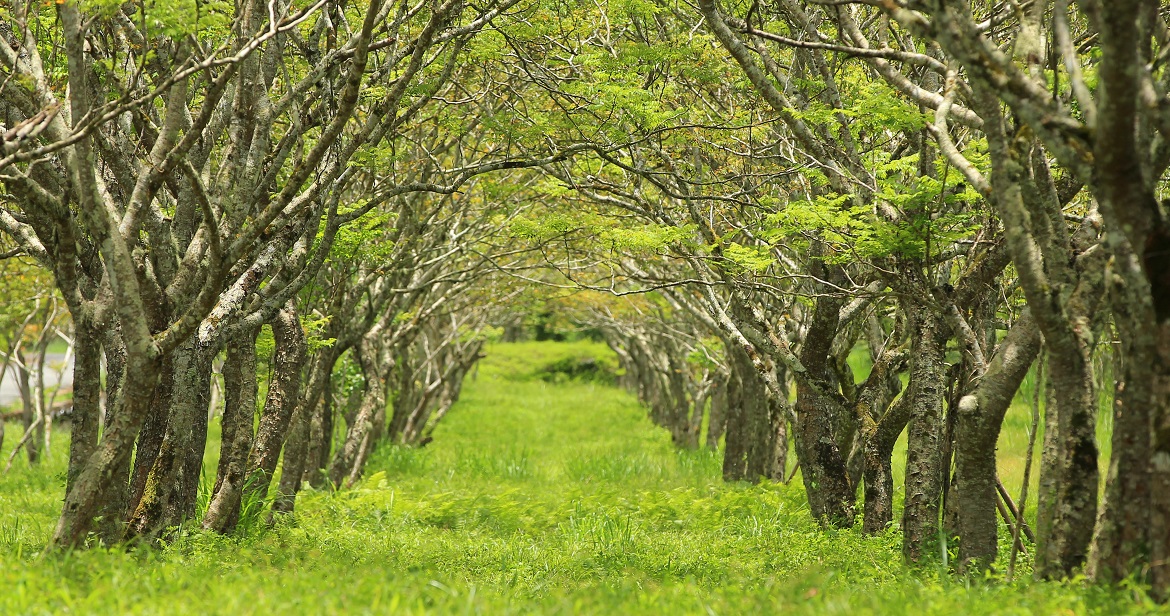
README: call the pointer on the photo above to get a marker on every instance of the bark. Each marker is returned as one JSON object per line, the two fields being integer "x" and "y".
{"x": 321, "y": 440}
{"x": 717, "y": 416}
{"x": 879, "y": 468}
{"x": 1062, "y": 300}
{"x": 981, "y": 414}
{"x": 283, "y": 393}
{"x": 925, "y": 434}
{"x": 99, "y": 480}
{"x": 737, "y": 428}
{"x": 112, "y": 524}
{"x": 93, "y": 486}
{"x": 361, "y": 436}
{"x": 85, "y": 418}
{"x": 237, "y": 433}
{"x": 684, "y": 432}
{"x": 296, "y": 447}
{"x": 32, "y": 426}
{"x": 756, "y": 425}
{"x": 43, "y": 418}
{"x": 1133, "y": 531}
{"x": 776, "y": 443}
{"x": 1159, "y": 462}
{"x": 170, "y": 489}
{"x": 154, "y": 431}
{"x": 1067, "y": 498}
{"x": 823, "y": 467}
{"x": 879, "y": 433}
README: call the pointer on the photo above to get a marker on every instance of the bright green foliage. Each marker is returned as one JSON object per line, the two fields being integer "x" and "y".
{"x": 364, "y": 237}
{"x": 313, "y": 325}
{"x": 751, "y": 258}
{"x": 533, "y": 498}
{"x": 647, "y": 238}
{"x": 209, "y": 20}
{"x": 853, "y": 231}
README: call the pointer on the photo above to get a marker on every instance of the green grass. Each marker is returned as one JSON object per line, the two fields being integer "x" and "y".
{"x": 533, "y": 498}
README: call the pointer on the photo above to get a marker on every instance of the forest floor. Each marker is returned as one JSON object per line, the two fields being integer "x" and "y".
{"x": 535, "y": 497}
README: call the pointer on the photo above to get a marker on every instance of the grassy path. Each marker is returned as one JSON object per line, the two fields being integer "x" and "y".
{"x": 533, "y": 498}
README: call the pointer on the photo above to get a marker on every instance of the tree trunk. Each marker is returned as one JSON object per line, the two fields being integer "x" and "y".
{"x": 981, "y": 415}
{"x": 717, "y": 416}
{"x": 171, "y": 487}
{"x": 87, "y": 387}
{"x": 925, "y": 433}
{"x": 29, "y": 410}
{"x": 879, "y": 468}
{"x": 98, "y": 482}
{"x": 112, "y": 524}
{"x": 736, "y": 420}
{"x": 321, "y": 439}
{"x": 777, "y": 440}
{"x": 296, "y": 447}
{"x": 1062, "y": 293}
{"x": 360, "y": 438}
{"x": 684, "y": 432}
{"x": 822, "y": 465}
{"x": 154, "y": 430}
{"x": 239, "y": 415}
{"x": 1067, "y": 500}
{"x": 283, "y": 393}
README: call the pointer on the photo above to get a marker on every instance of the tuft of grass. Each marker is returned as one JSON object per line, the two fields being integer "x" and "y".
{"x": 534, "y": 498}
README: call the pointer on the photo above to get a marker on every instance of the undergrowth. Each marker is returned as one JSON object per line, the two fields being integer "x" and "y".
{"x": 534, "y": 497}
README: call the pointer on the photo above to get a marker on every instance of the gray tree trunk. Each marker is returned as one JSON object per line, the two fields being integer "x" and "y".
{"x": 237, "y": 432}
{"x": 925, "y": 433}
{"x": 981, "y": 415}
{"x": 283, "y": 393}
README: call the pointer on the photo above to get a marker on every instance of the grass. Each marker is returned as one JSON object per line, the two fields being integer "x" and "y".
{"x": 533, "y": 498}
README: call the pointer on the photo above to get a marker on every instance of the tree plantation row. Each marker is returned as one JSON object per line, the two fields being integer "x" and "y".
{"x": 308, "y": 217}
